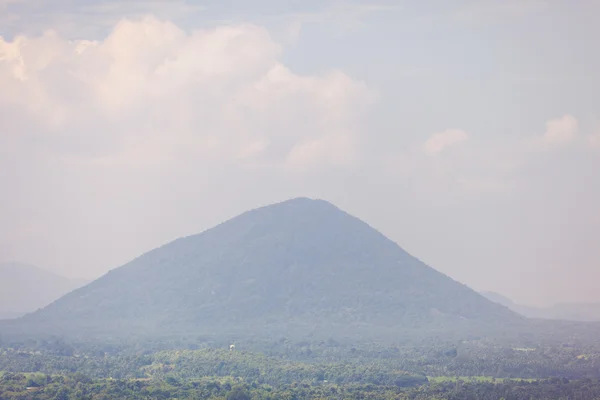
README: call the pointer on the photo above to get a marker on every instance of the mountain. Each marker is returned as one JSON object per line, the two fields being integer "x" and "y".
{"x": 297, "y": 267}
{"x": 585, "y": 312}
{"x": 25, "y": 288}
{"x": 572, "y": 312}
{"x": 498, "y": 298}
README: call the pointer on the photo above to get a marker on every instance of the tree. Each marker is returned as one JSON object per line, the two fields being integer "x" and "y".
{"x": 238, "y": 394}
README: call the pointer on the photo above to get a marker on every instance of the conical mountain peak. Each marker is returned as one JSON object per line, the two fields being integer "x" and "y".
{"x": 298, "y": 265}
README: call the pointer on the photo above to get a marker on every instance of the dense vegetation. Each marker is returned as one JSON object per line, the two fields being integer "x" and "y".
{"x": 287, "y": 370}
{"x": 80, "y": 387}
{"x": 481, "y": 357}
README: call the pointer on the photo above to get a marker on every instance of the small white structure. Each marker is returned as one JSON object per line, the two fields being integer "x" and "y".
{"x": 232, "y": 347}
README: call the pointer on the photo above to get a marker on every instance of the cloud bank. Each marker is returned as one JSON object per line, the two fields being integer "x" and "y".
{"x": 149, "y": 93}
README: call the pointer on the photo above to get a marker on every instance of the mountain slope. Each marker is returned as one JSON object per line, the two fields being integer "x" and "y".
{"x": 301, "y": 265}
{"x": 25, "y": 288}
{"x": 498, "y": 298}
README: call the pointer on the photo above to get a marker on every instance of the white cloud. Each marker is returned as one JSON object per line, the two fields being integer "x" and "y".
{"x": 594, "y": 140}
{"x": 561, "y": 131}
{"x": 441, "y": 140}
{"x": 151, "y": 93}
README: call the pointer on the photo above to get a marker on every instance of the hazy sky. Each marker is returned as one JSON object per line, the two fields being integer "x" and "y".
{"x": 467, "y": 131}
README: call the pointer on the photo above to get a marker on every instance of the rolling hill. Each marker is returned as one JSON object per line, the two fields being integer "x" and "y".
{"x": 302, "y": 266}
{"x": 25, "y": 288}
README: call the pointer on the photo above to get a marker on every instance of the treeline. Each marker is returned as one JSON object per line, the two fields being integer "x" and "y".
{"x": 286, "y": 361}
{"x": 188, "y": 364}
{"x": 80, "y": 387}
{"x": 283, "y": 369}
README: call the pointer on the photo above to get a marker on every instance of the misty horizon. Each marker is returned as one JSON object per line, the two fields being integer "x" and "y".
{"x": 491, "y": 295}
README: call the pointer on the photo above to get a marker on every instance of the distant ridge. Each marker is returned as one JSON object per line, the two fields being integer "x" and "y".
{"x": 583, "y": 312}
{"x": 299, "y": 266}
{"x": 25, "y": 288}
